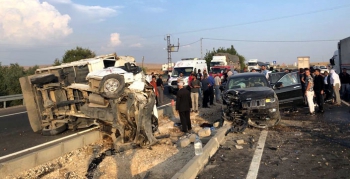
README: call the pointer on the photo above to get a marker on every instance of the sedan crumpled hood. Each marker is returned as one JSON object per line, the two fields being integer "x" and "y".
{"x": 253, "y": 93}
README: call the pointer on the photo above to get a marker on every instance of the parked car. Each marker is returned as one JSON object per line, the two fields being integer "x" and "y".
{"x": 252, "y": 99}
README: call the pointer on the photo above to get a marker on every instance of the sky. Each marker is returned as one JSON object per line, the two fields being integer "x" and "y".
{"x": 36, "y": 32}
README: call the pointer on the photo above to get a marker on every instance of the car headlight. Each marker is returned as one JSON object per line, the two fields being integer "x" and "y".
{"x": 270, "y": 100}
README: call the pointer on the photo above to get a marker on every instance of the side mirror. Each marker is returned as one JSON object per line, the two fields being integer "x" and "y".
{"x": 278, "y": 85}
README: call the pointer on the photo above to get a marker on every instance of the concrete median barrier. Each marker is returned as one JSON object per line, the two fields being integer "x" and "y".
{"x": 12, "y": 164}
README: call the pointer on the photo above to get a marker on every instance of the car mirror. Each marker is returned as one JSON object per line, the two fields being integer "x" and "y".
{"x": 278, "y": 85}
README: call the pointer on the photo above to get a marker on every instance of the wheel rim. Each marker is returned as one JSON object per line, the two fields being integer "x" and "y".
{"x": 111, "y": 85}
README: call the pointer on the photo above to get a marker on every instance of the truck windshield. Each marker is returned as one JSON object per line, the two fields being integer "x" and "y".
{"x": 216, "y": 63}
{"x": 217, "y": 70}
{"x": 185, "y": 70}
{"x": 252, "y": 64}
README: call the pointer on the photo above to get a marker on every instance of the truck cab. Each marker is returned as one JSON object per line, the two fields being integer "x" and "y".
{"x": 218, "y": 61}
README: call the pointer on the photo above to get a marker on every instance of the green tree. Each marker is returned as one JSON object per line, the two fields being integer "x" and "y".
{"x": 209, "y": 55}
{"x": 31, "y": 70}
{"x": 74, "y": 55}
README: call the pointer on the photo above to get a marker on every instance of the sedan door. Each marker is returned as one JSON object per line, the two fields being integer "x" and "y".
{"x": 289, "y": 90}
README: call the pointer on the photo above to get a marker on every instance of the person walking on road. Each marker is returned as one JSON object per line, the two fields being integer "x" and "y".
{"x": 345, "y": 84}
{"x": 327, "y": 87}
{"x": 205, "y": 89}
{"x": 336, "y": 86}
{"x": 217, "y": 84}
{"x": 183, "y": 107}
{"x": 319, "y": 89}
{"x": 309, "y": 91}
{"x": 160, "y": 88}
{"x": 195, "y": 86}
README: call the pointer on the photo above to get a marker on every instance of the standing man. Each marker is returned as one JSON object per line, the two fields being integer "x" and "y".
{"x": 326, "y": 87}
{"x": 160, "y": 88}
{"x": 309, "y": 92}
{"x": 318, "y": 88}
{"x": 336, "y": 86}
{"x": 211, "y": 89}
{"x": 345, "y": 86}
{"x": 180, "y": 78}
{"x": 264, "y": 71}
{"x": 199, "y": 77}
{"x": 195, "y": 87}
{"x": 154, "y": 84}
{"x": 217, "y": 84}
{"x": 183, "y": 106}
{"x": 205, "y": 88}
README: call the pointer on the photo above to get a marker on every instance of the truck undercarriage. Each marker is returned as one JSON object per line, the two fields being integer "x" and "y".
{"x": 116, "y": 98}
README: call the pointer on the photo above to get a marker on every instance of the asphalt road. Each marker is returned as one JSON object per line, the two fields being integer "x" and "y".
{"x": 301, "y": 146}
{"x": 16, "y": 133}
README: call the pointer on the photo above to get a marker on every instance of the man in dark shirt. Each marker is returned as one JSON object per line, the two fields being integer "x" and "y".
{"x": 160, "y": 89}
{"x": 211, "y": 89}
{"x": 183, "y": 106}
{"x": 205, "y": 88}
{"x": 318, "y": 88}
{"x": 345, "y": 86}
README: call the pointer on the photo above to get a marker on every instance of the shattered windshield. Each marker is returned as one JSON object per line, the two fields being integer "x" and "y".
{"x": 247, "y": 82}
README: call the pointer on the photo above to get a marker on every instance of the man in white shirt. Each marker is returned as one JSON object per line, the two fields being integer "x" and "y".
{"x": 336, "y": 87}
{"x": 265, "y": 71}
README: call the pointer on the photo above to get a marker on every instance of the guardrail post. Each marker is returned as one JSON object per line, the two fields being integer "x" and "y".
{"x": 4, "y": 104}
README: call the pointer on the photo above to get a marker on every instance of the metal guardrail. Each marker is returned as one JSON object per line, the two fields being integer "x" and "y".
{"x": 4, "y": 99}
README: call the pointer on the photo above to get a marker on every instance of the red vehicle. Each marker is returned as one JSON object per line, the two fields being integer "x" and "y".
{"x": 219, "y": 69}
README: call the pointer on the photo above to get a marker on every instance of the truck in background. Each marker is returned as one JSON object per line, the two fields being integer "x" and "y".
{"x": 220, "y": 69}
{"x": 167, "y": 68}
{"x": 185, "y": 66}
{"x": 304, "y": 62}
{"x": 254, "y": 64}
{"x": 341, "y": 57}
{"x": 225, "y": 59}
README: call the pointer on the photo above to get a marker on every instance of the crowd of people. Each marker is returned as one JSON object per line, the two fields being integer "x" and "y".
{"x": 327, "y": 87}
{"x": 316, "y": 87}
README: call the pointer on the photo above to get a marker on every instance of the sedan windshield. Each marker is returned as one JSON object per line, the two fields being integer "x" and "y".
{"x": 247, "y": 82}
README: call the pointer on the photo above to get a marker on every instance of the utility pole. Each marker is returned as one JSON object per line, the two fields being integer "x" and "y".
{"x": 201, "y": 49}
{"x": 171, "y": 48}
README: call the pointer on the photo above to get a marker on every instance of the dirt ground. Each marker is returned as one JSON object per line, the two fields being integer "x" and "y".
{"x": 162, "y": 160}
{"x": 299, "y": 147}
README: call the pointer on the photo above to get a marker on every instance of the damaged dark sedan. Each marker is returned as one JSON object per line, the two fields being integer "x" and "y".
{"x": 249, "y": 99}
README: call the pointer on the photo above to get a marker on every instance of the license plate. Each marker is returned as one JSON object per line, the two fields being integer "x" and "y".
{"x": 268, "y": 100}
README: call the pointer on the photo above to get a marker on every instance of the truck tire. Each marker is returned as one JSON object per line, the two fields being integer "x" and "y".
{"x": 54, "y": 130}
{"x": 112, "y": 86}
{"x": 41, "y": 79}
{"x": 29, "y": 98}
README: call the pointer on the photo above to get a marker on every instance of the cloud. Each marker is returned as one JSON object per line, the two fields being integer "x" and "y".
{"x": 23, "y": 21}
{"x": 115, "y": 40}
{"x": 92, "y": 11}
{"x": 136, "y": 45}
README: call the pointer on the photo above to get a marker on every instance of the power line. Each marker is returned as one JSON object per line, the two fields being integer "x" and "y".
{"x": 191, "y": 43}
{"x": 258, "y": 21}
{"x": 274, "y": 41}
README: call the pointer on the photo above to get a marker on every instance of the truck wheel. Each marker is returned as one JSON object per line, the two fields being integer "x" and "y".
{"x": 112, "y": 86}
{"x": 54, "y": 130}
{"x": 42, "y": 79}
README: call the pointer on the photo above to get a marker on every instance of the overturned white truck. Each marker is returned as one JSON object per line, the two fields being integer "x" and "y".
{"x": 108, "y": 90}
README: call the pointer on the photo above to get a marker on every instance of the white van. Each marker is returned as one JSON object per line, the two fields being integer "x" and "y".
{"x": 185, "y": 66}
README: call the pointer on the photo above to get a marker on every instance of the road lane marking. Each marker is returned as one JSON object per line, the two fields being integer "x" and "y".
{"x": 48, "y": 143}
{"x": 345, "y": 102}
{"x": 13, "y": 114}
{"x": 254, "y": 166}
{"x": 26, "y": 111}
